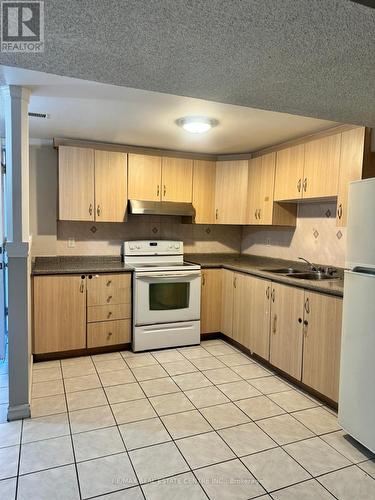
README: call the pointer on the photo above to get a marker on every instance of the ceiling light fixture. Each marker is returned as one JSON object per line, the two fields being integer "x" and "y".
{"x": 196, "y": 124}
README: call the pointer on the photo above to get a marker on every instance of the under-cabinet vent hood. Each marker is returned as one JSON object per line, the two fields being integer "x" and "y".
{"x": 140, "y": 207}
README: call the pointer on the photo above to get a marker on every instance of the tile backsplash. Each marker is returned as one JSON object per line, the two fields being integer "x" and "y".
{"x": 315, "y": 237}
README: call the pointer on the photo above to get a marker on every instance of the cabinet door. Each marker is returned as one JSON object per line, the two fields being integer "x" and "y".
{"x": 211, "y": 301}
{"x": 108, "y": 333}
{"x": 76, "y": 183}
{"x": 144, "y": 177}
{"x": 59, "y": 313}
{"x": 286, "y": 329}
{"x": 351, "y": 163}
{"x": 289, "y": 173}
{"x": 227, "y": 295}
{"x": 253, "y": 190}
{"x": 258, "y": 308}
{"x": 177, "y": 179}
{"x": 110, "y": 186}
{"x": 321, "y": 169}
{"x": 109, "y": 289}
{"x": 266, "y": 186}
{"x": 231, "y": 191}
{"x": 204, "y": 175}
{"x": 322, "y": 343}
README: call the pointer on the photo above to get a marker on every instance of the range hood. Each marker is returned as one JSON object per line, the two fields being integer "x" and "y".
{"x": 140, "y": 207}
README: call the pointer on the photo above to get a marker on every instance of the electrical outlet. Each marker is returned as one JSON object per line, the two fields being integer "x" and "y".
{"x": 71, "y": 243}
{"x": 268, "y": 242}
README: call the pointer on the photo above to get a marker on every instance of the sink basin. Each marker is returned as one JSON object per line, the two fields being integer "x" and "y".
{"x": 317, "y": 276}
{"x": 286, "y": 270}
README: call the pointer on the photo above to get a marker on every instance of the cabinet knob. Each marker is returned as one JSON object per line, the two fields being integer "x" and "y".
{"x": 299, "y": 184}
{"x": 306, "y": 322}
{"x": 109, "y": 282}
{"x": 165, "y": 190}
{"x": 158, "y": 191}
{"x": 109, "y": 335}
{"x": 98, "y": 210}
{"x": 109, "y": 298}
{"x": 299, "y": 320}
{"x": 109, "y": 314}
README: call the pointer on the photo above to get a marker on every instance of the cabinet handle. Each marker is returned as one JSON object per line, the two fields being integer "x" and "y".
{"x": 203, "y": 279}
{"x": 109, "y": 335}
{"x": 274, "y": 324}
{"x": 109, "y": 298}
{"x": 158, "y": 191}
{"x": 255, "y": 213}
{"x": 109, "y": 314}
{"x": 307, "y": 305}
{"x": 339, "y": 211}
{"x": 273, "y": 295}
{"x": 165, "y": 190}
{"x": 109, "y": 282}
{"x": 82, "y": 285}
{"x": 98, "y": 210}
{"x": 235, "y": 282}
{"x": 268, "y": 293}
{"x": 217, "y": 214}
{"x": 305, "y": 184}
{"x": 299, "y": 184}
{"x": 90, "y": 209}
{"x": 259, "y": 213}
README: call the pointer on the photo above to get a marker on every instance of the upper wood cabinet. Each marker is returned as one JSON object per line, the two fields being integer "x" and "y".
{"x": 231, "y": 192}
{"x": 351, "y": 166}
{"x": 211, "y": 300}
{"x": 177, "y": 179}
{"x": 92, "y": 185}
{"x": 285, "y": 337}
{"x": 321, "y": 168}
{"x": 144, "y": 177}
{"x": 59, "y": 313}
{"x": 322, "y": 343}
{"x": 76, "y": 184}
{"x": 110, "y": 186}
{"x": 289, "y": 173}
{"x": 204, "y": 178}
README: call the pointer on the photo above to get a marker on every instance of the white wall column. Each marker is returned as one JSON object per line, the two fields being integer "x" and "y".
{"x": 16, "y": 102}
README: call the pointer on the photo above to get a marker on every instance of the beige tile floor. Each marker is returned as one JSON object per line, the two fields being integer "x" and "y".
{"x": 190, "y": 423}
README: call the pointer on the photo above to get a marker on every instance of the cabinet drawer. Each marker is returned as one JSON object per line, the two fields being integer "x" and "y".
{"x": 108, "y": 333}
{"x": 106, "y": 313}
{"x": 109, "y": 289}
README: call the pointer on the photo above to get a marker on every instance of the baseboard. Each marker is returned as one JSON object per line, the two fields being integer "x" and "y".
{"x": 19, "y": 412}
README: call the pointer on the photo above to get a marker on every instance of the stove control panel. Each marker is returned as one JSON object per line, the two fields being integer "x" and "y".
{"x": 153, "y": 247}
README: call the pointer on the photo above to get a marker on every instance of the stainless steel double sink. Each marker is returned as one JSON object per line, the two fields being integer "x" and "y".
{"x": 303, "y": 275}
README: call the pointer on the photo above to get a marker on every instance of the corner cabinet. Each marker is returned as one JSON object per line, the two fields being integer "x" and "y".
{"x": 92, "y": 185}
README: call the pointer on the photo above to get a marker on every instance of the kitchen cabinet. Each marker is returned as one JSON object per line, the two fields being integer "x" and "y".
{"x": 108, "y": 333}
{"x": 59, "y": 313}
{"x": 92, "y": 185}
{"x": 76, "y": 184}
{"x": 231, "y": 192}
{"x": 111, "y": 196}
{"x": 108, "y": 289}
{"x": 322, "y": 343}
{"x": 204, "y": 178}
{"x": 211, "y": 300}
{"x": 321, "y": 167}
{"x": 289, "y": 173}
{"x": 286, "y": 337}
{"x": 258, "y": 310}
{"x": 351, "y": 164}
{"x": 227, "y": 296}
{"x": 177, "y": 179}
{"x": 144, "y": 177}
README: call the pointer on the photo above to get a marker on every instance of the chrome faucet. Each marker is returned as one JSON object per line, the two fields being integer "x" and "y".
{"x": 312, "y": 267}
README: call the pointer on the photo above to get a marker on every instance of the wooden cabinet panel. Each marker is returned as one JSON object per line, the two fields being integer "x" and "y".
{"x": 266, "y": 186}
{"x": 322, "y": 343}
{"x": 286, "y": 330}
{"x": 110, "y": 186}
{"x": 109, "y": 289}
{"x": 227, "y": 295}
{"x": 76, "y": 184}
{"x": 108, "y": 313}
{"x": 144, "y": 177}
{"x": 289, "y": 173}
{"x": 231, "y": 191}
{"x": 258, "y": 310}
{"x": 321, "y": 168}
{"x": 351, "y": 163}
{"x": 211, "y": 300}
{"x": 108, "y": 333}
{"x": 253, "y": 190}
{"x": 204, "y": 177}
{"x": 59, "y": 313}
{"x": 177, "y": 179}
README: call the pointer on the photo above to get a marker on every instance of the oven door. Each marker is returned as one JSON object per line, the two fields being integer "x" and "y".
{"x": 166, "y": 297}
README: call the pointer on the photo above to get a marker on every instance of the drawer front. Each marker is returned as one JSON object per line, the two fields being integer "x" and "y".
{"x": 108, "y": 289}
{"x": 108, "y": 333}
{"x": 108, "y": 313}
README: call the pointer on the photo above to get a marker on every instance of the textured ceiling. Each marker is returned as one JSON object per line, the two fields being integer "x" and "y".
{"x": 308, "y": 57}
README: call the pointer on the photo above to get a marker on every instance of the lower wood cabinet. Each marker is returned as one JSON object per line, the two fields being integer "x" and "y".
{"x": 73, "y": 312}
{"x": 258, "y": 306}
{"x": 227, "y": 297}
{"x": 59, "y": 313}
{"x": 211, "y": 300}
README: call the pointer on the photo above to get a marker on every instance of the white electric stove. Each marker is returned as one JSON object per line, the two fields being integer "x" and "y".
{"x": 166, "y": 295}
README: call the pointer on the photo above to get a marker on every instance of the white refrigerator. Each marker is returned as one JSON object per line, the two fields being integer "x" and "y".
{"x": 357, "y": 370}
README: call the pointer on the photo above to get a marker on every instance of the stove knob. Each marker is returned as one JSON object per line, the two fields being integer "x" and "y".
{"x": 131, "y": 247}
{"x": 170, "y": 246}
{"x": 177, "y": 246}
{"x": 138, "y": 247}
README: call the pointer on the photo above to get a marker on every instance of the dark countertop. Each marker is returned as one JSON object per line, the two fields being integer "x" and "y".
{"x": 78, "y": 265}
{"x": 252, "y": 264}
{"x": 249, "y": 264}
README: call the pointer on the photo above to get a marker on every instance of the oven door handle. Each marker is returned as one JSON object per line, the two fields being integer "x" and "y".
{"x": 168, "y": 275}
